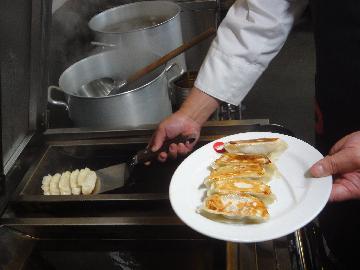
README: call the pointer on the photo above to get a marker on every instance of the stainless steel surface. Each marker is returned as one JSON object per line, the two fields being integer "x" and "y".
{"x": 181, "y": 87}
{"x": 117, "y": 176}
{"x": 111, "y": 178}
{"x": 71, "y": 37}
{"x": 102, "y": 44}
{"x": 17, "y": 152}
{"x": 108, "y": 86}
{"x": 122, "y": 110}
{"x": 229, "y": 112}
{"x": 143, "y": 26}
{"x": 300, "y": 247}
{"x": 102, "y": 87}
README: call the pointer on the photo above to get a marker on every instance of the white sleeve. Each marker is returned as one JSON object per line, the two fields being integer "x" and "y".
{"x": 249, "y": 37}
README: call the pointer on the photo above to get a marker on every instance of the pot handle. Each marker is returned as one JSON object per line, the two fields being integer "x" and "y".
{"x": 179, "y": 72}
{"x": 53, "y": 101}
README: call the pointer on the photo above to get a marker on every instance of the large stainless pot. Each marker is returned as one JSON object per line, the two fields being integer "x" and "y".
{"x": 144, "y": 102}
{"x": 143, "y": 26}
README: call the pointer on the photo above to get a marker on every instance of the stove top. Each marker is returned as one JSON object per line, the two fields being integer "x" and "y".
{"x": 126, "y": 227}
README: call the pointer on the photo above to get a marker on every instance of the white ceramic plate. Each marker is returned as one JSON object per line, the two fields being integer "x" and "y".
{"x": 299, "y": 197}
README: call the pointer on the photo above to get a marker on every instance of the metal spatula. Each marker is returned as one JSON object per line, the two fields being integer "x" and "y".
{"x": 116, "y": 176}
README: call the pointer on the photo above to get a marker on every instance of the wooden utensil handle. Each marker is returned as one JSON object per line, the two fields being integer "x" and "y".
{"x": 147, "y": 154}
{"x": 171, "y": 55}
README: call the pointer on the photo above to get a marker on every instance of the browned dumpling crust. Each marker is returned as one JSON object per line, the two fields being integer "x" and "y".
{"x": 271, "y": 147}
{"x": 234, "y": 159}
{"x": 236, "y": 207}
{"x": 243, "y": 186}
{"x": 254, "y": 140}
{"x": 240, "y": 186}
{"x": 242, "y": 171}
{"x": 237, "y": 171}
{"x": 236, "y": 186}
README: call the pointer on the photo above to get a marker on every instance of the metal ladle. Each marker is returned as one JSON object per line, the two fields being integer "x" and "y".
{"x": 108, "y": 86}
{"x": 102, "y": 87}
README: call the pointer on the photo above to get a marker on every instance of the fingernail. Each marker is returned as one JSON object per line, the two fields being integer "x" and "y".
{"x": 172, "y": 147}
{"x": 318, "y": 170}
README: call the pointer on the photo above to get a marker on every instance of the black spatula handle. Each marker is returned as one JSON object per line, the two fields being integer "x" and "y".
{"x": 147, "y": 155}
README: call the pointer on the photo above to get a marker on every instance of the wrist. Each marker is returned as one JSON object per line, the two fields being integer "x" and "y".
{"x": 199, "y": 106}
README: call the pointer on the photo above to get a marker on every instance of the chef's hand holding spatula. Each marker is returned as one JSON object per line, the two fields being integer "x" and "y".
{"x": 117, "y": 176}
{"x": 187, "y": 121}
{"x": 175, "y": 125}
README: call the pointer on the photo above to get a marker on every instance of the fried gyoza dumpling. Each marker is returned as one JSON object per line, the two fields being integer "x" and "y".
{"x": 46, "y": 184}
{"x": 272, "y": 147}
{"x": 75, "y": 188}
{"x": 242, "y": 186}
{"x": 77, "y": 182}
{"x": 82, "y": 176}
{"x": 87, "y": 181}
{"x": 235, "y": 206}
{"x": 88, "y": 184}
{"x": 54, "y": 184}
{"x": 247, "y": 171}
{"x": 234, "y": 159}
{"x": 64, "y": 183}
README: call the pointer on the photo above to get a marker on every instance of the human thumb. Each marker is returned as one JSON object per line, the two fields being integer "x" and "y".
{"x": 339, "y": 162}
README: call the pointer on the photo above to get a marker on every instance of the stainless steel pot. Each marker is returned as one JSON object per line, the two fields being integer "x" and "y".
{"x": 182, "y": 86}
{"x": 143, "y": 102}
{"x": 143, "y": 26}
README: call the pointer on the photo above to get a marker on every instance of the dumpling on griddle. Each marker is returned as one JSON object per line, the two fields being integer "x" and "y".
{"x": 234, "y": 159}
{"x": 247, "y": 171}
{"x": 67, "y": 183}
{"x": 75, "y": 188}
{"x": 54, "y": 184}
{"x": 234, "y": 206}
{"x": 88, "y": 184}
{"x": 82, "y": 176}
{"x": 46, "y": 184}
{"x": 271, "y": 147}
{"x": 251, "y": 187}
{"x": 64, "y": 183}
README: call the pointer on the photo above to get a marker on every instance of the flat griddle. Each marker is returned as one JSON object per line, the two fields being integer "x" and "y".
{"x": 149, "y": 184}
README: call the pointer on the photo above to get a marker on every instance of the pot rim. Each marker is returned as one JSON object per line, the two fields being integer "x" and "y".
{"x": 120, "y": 94}
{"x": 134, "y": 4}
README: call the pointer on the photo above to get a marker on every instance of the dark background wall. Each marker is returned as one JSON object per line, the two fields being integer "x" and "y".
{"x": 285, "y": 92}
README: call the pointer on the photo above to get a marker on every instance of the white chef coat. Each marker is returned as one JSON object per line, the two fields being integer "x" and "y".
{"x": 249, "y": 37}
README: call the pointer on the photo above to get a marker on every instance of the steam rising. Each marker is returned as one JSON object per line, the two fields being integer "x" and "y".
{"x": 70, "y": 34}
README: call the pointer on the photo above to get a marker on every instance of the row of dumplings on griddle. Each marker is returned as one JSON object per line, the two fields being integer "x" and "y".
{"x": 237, "y": 185}
{"x": 70, "y": 183}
